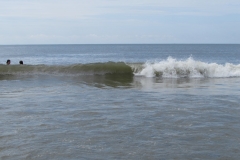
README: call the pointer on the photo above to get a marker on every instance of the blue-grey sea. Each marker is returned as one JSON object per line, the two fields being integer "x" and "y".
{"x": 123, "y": 101}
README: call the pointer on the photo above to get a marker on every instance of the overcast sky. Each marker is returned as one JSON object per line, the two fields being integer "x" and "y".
{"x": 119, "y": 21}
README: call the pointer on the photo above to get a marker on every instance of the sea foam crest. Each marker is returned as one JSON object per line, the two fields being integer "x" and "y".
{"x": 172, "y": 68}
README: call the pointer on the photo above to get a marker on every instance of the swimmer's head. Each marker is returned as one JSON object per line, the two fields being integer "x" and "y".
{"x": 8, "y": 62}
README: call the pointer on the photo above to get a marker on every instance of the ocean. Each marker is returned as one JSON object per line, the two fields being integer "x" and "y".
{"x": 123, "y": 101}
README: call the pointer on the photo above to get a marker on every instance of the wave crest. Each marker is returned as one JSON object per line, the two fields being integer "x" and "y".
{"x": 76, "y": 69}
{"x": 169, "y": 68}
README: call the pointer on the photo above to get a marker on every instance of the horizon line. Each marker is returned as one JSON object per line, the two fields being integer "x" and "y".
{"x": 123, "y": 44}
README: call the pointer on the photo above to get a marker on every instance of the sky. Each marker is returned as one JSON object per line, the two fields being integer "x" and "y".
{"x": 119, "y": 21}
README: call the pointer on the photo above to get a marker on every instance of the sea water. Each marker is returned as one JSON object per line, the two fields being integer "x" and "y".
{"x": 120, "y": 102}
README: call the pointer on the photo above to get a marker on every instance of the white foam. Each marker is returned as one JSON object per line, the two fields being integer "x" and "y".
{"x": 173, "y": 68}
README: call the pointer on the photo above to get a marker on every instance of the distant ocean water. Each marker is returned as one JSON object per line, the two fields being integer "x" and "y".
{"x": 142, "y": 101}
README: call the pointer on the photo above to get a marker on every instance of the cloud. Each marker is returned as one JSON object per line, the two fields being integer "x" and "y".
{"x": 43, "y": 36}
{"x": 82, "y": 9}
{"x": 118, "y": 21}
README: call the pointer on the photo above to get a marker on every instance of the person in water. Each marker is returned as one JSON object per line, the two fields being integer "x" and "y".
{"x": 8, "y": 62}
{"x": 20, "y": 62}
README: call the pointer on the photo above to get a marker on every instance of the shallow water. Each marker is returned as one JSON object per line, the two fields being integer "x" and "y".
{"x": 110, "y": 116}
{"x": 142, "y": 118}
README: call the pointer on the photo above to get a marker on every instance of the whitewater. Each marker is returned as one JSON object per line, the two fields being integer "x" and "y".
{"x": 172, "y": 68}
{"x": 120, "y": 101}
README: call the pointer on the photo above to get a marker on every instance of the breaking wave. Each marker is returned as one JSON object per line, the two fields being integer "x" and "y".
{"x": 169, "y": 68}
{"x": 172, "y": 68}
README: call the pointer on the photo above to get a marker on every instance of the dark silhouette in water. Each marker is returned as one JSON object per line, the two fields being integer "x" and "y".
{"x": 20, "y": 62}
{"x": 8, "y": 62}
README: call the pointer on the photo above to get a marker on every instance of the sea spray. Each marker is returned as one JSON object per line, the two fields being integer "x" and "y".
{"x": 173, "y": 68}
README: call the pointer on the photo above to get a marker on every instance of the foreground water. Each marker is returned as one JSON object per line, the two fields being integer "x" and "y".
{"x": 166, "y": 108}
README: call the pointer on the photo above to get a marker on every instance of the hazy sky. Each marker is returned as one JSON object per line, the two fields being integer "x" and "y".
{"x": 119, "y": 21}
